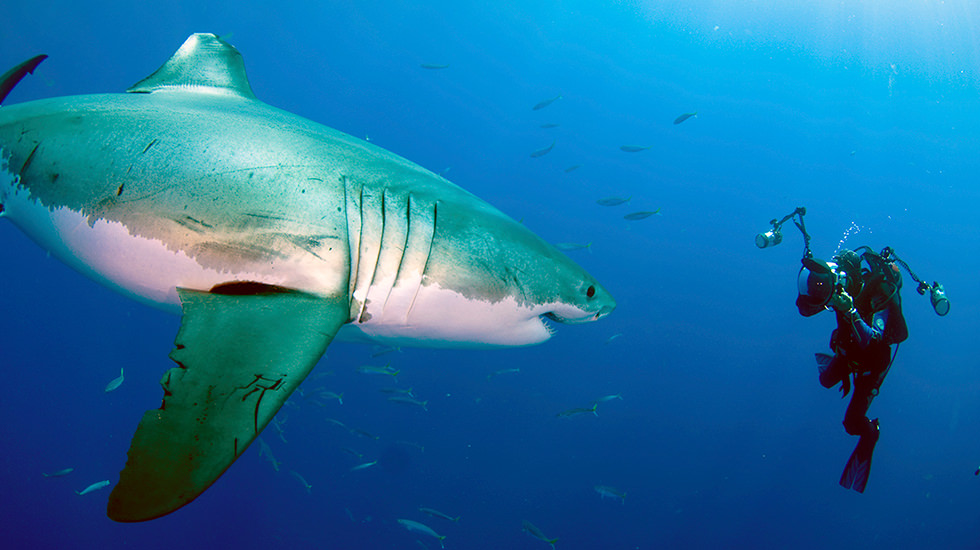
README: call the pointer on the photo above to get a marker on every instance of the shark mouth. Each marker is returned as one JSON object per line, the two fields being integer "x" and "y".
{"x": 545, "y": 317}
{"x": 603, "y": 311}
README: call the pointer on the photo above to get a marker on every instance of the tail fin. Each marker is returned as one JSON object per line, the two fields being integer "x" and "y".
{"x": 13, "y": 76}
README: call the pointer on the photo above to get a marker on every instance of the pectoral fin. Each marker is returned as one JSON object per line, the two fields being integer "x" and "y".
{"x": 239, "y": 357}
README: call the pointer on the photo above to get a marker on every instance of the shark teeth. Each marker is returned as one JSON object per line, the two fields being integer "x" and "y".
{"x": 544, "y": 321}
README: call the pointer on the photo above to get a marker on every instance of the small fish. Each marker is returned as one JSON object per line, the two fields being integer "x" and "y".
{"x": 684, "y": 117}
{"x": 634, "y": 148}
{"x": 548, "y": 125}
{"x": 606, "y": 398}
{"x": 409, "y": 401}
{"x": 579, "y": 410}
{"x": 364, "y": 466}
{"x": 441, "y": 174}
{"x": 417, "y": 527}
{"x": 438, "y": 514}
{"x": 613, "y": 337}
{"x": 363, "y": 433}
{"x": 412, "y": 444}
{"x": 59, "y": 473}
{"x": 332, "y": 395}
{"x": 612, "y": 492}
{"x": 265, "y": 451}
{"x": 543, "y": 152}
{"x": 572, "y": 168}
{"x": 400, "y": 391}
{"x": 277, "y": 424}
{"x": 93, "y": 487}
{"x": 613, "y": 201}
{"x": 545, "y": 103}
{"x": 303, "y": 481}
{"x": 433, "y": 67}
{"x": 336, "y": 422}
{"x": 574, "y": 246}
{"x": 503, "y": 371}
{"x": 640, "y": 215}
{"x": 530, "y": 529}
{"x": 381, "y": 350}
{"x": 115, "y": 382}
{"x": 370, "y": 369}
{"x": 977, "y": 473}
{"x": 353, "y": 452}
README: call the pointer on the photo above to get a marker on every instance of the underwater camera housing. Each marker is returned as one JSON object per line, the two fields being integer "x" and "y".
{"x": 818, "y": 281}
{"x": 828, "y": 272}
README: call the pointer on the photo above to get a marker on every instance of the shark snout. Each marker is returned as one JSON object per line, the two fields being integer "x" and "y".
{"x": 578, "y": 317}
{"x": 604, "y": 310}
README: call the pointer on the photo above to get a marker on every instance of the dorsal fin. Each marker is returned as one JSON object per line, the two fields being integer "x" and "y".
{"x": 204, "y": 63}
{"x": 13, "y": 76}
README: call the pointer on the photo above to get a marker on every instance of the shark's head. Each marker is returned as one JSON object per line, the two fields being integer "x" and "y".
{"x": 571, "y": 295}
{"x": 541, "y": 284}
{"x": 489, "y": 281}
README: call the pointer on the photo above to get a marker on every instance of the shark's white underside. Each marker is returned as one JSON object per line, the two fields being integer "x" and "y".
{"x": 146, "y": 270}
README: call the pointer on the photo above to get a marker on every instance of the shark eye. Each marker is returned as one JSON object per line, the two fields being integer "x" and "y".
{"x": 590, "y": 292}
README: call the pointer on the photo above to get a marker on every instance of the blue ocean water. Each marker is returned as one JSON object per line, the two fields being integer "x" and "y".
{"x": 864, "y": 112}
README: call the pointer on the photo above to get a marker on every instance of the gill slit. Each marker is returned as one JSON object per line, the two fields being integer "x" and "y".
{"x": 377, "y": 263}
{"x": 353, "y": 234}
{"x": 377, "y": 256}
{"x": 401, "y": 257}
{"x": 428, "y": 255}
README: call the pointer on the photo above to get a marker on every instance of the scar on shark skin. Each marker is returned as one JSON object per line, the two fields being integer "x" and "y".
{"x": 151, "y": 144}
{"x": 29, "y": 159}
{"x": 261, "y": 389}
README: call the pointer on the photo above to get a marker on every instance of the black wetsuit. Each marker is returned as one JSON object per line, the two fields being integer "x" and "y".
{"x": 863, "y": 344}
{"x": 863, "y": 349}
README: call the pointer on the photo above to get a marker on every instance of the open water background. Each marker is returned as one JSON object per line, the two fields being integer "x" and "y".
{"x": 867, "y": 113}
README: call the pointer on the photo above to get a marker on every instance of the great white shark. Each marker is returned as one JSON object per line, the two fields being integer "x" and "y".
{"x": 271, "y": 235}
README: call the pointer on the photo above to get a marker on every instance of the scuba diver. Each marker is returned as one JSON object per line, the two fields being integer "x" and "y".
{"x": 868, "y": 305}
{"x": 870, "y": 325}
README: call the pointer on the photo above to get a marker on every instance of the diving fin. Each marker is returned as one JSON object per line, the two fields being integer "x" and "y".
{"x": 241, "y": 351}
{"x": 858, "y": 466}
{"x": 823, "y": 361}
